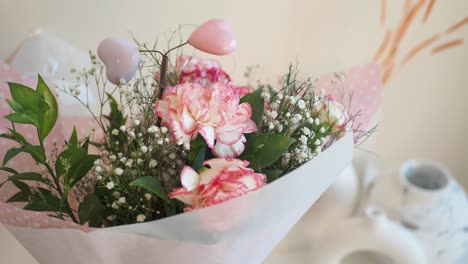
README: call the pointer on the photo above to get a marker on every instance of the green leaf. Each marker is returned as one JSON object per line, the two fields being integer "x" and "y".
{"x": 27, "y": 117}
{"x": 90, "y": 208}
{"x": 7, "y": 169}
{"x": 256, "y": 103}
{"x": 19, "y": 197}
{"x": 74, "y": 138}
{"x": 11, "y": 153}
{"x": 273, "y": 175}
{"x": 14, "y": 105}
{"x": 36, "y": 152}
{"x": 263, "y": 150}
{"x": 79, "y": 170}
{"x": 44, "y": 200}
{"x": 116, "y": 117}
{"x": 151, "y": 184}
{"x": 68, "y": 158}
{"x": 23, "y": 195}
{"x": 15, "y": 136}
{"x": 197, "y": 153}
{"x": 49, "y": 114}
{"x": 26, "y": 97}
{"x": 27, "y": 176}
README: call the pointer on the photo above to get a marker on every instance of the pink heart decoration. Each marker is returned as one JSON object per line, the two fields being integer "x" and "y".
{"x": 121, "y": 58}
{"x": 214, "y": 36}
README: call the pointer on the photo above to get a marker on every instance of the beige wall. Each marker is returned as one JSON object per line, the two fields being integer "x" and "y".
{"x": 425, "y": 113}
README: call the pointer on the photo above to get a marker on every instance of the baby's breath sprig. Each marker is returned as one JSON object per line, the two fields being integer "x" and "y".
{"x": 292, "y": 109}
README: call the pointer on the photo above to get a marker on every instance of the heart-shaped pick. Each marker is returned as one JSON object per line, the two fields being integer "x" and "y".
{"x": 214, "y": 36}
{"x": 121, "y": 58}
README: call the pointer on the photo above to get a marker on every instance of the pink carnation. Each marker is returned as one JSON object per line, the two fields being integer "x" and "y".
{"x": 213, "y": 111}
{"x": 224, "y": 180}
{"x": 206, "y": 72}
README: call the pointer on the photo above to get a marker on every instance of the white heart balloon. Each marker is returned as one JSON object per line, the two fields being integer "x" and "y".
{"x": 121, "y": 58}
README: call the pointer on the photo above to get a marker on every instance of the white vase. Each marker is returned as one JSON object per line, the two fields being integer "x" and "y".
{"x": 425, "y": 198}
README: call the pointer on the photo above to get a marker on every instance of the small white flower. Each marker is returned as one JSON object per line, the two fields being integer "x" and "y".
{"x": 273, "y": 114}
{"x": 112, "y": 158}
{"x": 323, "y": 140}
{"x": 318, "y": 142}
{"x": 131, "y": 134}
{"x": 99, "y": 177}
{"x": 172, "y": 156}
{"x": 271, "y": 126}
{"x": 116, "y": 194}
{"x": 123, "y": 129}
{"x": 77, "y": 91}
{"x": 139, "y": 161}
{"x": 153, "y": 129}
{"x": 129, "y": 163}
{"x": 164, "y": 129}
{"x": 97, "y": 162}
{"x": 111, "y": 217}
{"x": 161, "y": 141}
{"x": 119, "y": 154}
{"x": 115, "y": 205}
{"x": 303, "y": 139}
{"x": 322, "y": 130}
{"x": 121, "y": 108}
{"x": 280, "y": 96}
{"x": 98, "y": 169}
{"x": 140, "y": 218}
{"x": 288, "y": 114}
{"x": 318, "y": 150}
{"x": 119, "y": 171}
{"x": 143, "y": 149}
{"x": 123, "y": 159}
{"x": 310, "y": 120}
{"x": 317, "y": 121}
{"x": 110, "y": 185}
{"x": 280, "y": 128}
{"x": 301, "y": 104}
{"x": 122, "y": 200}
{"x": 148, "y": 196}
{"x": 122, "y": 81}
{"x": 136, "y": 122}
{"x": 72, "y": 88}
{"x": 306, "y": 131}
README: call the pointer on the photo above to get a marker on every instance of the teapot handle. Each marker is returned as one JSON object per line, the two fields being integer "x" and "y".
{"x": 372, "y": 232}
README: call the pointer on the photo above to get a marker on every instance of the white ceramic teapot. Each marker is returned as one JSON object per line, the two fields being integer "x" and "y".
{"x": 426, "y": 210}
{"x": 425, "y": 198}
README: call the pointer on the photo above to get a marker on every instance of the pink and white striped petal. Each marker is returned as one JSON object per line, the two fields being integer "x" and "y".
{"x": 221, "y": 150}
{"x": 189, "y": 178}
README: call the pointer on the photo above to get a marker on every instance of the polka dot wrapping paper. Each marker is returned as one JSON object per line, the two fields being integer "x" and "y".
{"x": 9, "y": 214}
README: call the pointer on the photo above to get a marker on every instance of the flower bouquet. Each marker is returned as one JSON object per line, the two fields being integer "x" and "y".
{"x": 180, "y": 164}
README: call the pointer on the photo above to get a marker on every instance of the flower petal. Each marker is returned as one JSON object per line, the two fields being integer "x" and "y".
{"x": 208, "y": 133}
{"x": 221, "y": 150}
{"x": 182, "y": 195}
{"x": 189, "y": 178}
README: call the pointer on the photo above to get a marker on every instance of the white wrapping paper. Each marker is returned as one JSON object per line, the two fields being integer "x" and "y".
{"x": 242, "y": 230}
